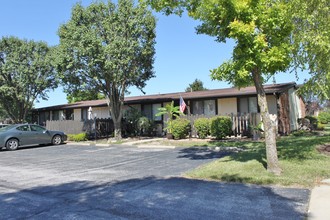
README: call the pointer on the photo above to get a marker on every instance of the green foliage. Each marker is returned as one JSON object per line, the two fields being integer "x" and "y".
{"x": 221, "y": 126}
{"x": 300, "y": 133}
{"x": 145, "y": 126}
{"x": 312, "y": 48}
{"x": 324, "y": 117}
{"x": 197, "y": 85}
{"x": 313, "y": 121}
{"x": 320, "y": 126}
{"x": 261, "y": 29}
{"x": 202, "y": 126}
{"x": 2, "y": 114}
{"x": 83, "y": 95}
{"x": 108, "y": 48}
{"x": 170, "y": 112}
{"x": 26, "y": 74}
{"x": 180, "y": 128}
{"x": 132, "y": 117}
{"x": 77, "y": 137}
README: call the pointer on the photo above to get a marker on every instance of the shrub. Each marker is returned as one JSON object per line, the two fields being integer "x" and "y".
{"x": 324, "y": 117}
{"x": 180, "y": 128}
{"x": 320, "y": 126}
{"x": 77, "y": 137}
{"x": 313, "y": 122}
{"x": 145, "y": 126}
{"x": 221, "y": 126}
{"x": 131, "y": 120}
{"x": 202, "y": 126}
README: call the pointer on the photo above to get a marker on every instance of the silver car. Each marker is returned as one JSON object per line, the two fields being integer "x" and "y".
{"x": 14, "y": 136}
{"x": 3, "y": 125}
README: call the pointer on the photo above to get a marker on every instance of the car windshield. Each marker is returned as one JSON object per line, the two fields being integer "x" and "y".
{"x": 7, "y": 128}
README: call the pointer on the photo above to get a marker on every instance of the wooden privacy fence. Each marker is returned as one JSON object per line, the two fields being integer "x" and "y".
{"x": 241, "y": 122}
{"x": 104, "y": 127}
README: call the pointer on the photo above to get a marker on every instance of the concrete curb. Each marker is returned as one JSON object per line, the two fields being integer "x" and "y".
{"x": 319, "y": 204}
{"x": 155, "y": 146}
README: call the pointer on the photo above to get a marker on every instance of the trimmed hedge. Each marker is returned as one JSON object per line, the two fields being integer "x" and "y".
{"x": 221, "y": 126}
{"x": 202, "y": 126}
{"x": 77, "y": 137}
{"x": 180, "y": 128}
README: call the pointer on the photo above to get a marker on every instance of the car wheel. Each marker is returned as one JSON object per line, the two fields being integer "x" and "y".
{"x": 12, "y": 144}
{"x": 57, "y": 139}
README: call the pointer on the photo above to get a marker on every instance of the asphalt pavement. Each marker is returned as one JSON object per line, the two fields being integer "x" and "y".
{"x": 125, "y": 182}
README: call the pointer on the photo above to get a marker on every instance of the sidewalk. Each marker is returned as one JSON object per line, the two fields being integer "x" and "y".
{"x": 319, "y": 204}
{"x": 144, "y": 143}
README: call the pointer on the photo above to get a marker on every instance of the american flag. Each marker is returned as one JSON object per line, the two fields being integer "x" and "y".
{"x": 182, "y": 105}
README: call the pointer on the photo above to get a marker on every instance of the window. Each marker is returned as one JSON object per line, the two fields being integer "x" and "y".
{"x": 147, "y": 111}
{"x": 84, "y": 113}
{"x": 55, "y": 115}
{"x": 43, "y": 117}
{"x": 37, "y": 128}
{"x": 69, "y": 114}
{"x": 150, "y": 110}
{"x": 209, "y": 107}
{"x": 198, "y": 108}
{"x": 248, "y": 105}
{"x": 253, "y": 105}
{"x": 205, "y": 107}
{"x": 155, "y": 108}
{"x": 24, "y": 128}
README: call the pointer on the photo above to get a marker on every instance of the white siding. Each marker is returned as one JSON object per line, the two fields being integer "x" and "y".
{"x": 227, "y": 106}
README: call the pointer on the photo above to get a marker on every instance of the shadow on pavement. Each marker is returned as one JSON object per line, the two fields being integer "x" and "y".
{"x": 153, "y": 198}
{"x": 202, "y": 153}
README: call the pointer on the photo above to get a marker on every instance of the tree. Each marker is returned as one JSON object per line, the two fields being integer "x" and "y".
{"x": 84, "y": 95}
{"x": 262, "y": 31}
{"x": 26, "y": 74}
{"x": 2, "y": 114}
{"x": 108, "y": 48}
{"x": 197, "y": 85}
{"x": 312, "y": 44}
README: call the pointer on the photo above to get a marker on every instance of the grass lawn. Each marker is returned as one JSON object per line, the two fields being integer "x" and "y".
{"x": 303, "y": 165}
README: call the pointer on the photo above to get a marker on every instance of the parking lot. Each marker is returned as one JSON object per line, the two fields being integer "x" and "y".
{"x": 122, "y": 182}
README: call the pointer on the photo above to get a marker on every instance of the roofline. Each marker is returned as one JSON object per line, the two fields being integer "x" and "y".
{"x": 168, "y": 97}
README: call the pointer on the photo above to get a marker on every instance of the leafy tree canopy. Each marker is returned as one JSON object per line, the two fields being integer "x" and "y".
{"x": 109, "y": 48}
{"x": 26, "y": 74}
{"x": 312, "y": 44}
{"x": 197, "y": 85}
{"x": 84, "y": 95}
{"x": 262, "y": 31}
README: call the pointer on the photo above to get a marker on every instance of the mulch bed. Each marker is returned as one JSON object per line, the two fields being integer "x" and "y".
{"x": 324, "y": 149}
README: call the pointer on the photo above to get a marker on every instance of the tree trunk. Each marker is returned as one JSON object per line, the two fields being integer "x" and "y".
{"x": 115, "y": 104}
{"x": 117, "y": 124}
{"x": 269, "y": 126}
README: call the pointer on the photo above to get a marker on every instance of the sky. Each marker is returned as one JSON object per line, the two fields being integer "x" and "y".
{"x": 181, "y": 55}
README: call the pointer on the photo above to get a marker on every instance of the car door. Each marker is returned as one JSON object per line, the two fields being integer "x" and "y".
{"x": 40, "y": 135}
{"x": 24, "y": 135}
